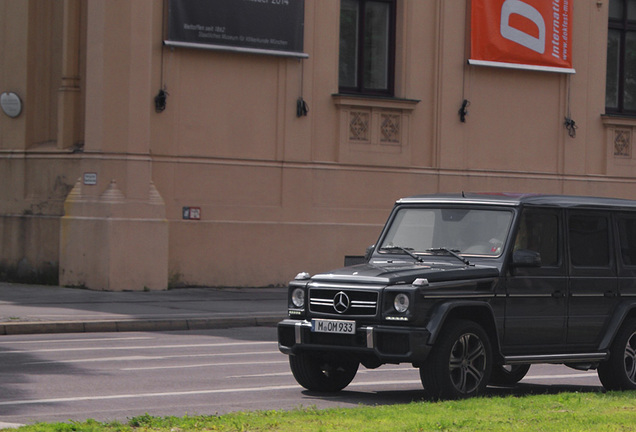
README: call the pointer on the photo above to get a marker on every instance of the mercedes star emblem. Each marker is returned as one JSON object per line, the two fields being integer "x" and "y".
{"x": 341, "y": 302}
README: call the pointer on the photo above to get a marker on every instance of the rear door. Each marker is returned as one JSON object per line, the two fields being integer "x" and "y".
{"x": 593, "y": 282}
{"x": 626, "y": 230}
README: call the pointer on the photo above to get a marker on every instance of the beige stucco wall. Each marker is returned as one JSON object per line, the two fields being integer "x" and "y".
{"x": 278, "y": 194}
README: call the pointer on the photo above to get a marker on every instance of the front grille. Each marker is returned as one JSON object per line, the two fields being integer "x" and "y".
{"x": 343, "y": 301}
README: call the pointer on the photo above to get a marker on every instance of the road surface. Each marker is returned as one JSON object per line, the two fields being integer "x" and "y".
{"x": 116, "y": 376}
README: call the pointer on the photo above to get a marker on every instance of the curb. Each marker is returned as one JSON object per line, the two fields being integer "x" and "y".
{"x": 21, "y": 328}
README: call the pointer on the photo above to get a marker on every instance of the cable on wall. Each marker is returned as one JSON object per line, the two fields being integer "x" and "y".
{"x": 162, "y": 97}
{"x": 302, "y": 109}
{"x": 463, "y": 111}
{"x": 570, "y": 124}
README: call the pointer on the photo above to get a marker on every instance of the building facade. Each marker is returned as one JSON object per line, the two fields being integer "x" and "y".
{"x": 127, "y": 163}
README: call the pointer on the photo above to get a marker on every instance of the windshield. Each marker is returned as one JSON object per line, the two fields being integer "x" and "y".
{"x": 461, "y": 230}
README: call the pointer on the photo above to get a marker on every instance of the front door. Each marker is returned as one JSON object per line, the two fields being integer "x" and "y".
{"x": 536, "y": 298}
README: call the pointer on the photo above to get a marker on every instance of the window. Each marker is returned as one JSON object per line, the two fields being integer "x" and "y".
{"x": 589, "y": 241}
{"x": 539, "y": 232}
{"x": 367, "y": 46}
{"x": 620, "y": 91}
{"x": 627, "y": 236}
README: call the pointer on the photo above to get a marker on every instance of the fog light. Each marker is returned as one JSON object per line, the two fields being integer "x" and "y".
{"x": 298, "y": 297}
{"x": 401, "y": 303}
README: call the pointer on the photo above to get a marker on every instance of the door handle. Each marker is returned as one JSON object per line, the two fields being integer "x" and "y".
{"x": 609, "y": 294}
{"x": 558, "y": 294}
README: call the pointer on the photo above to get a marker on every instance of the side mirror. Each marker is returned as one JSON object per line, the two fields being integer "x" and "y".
{"x": 369, "y": 252}
{"x": 526, "y": 258}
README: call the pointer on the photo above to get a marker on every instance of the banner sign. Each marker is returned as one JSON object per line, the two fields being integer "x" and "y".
{"x": 522, "y": 34}
{"x": 256, "y": 26}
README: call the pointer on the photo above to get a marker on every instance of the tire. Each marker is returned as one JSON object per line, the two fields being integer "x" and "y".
{"x": 507, "y": 376}
{"x": 322, "y": 373}
{"x": 459, "y": 365}
{"x": 619, "y": 372}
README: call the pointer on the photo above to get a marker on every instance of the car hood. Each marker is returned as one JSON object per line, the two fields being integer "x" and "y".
{"x": 386, "y": 273}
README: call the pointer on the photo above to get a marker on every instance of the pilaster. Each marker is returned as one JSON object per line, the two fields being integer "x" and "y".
{"x": 114, "y": 234}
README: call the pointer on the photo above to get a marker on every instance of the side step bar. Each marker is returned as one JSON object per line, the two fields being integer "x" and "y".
{"x": 557, "y": 358}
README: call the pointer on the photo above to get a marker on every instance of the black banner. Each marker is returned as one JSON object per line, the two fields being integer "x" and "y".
{"x": 261, "y": 26}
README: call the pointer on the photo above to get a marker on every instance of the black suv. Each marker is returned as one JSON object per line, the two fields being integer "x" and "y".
{"x": 472, "y": 290}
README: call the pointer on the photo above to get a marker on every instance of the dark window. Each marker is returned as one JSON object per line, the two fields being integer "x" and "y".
{"x": 627, "y": 235}
{"x": 589, "y": 240}
{"x": 620, "y": 90}
{"x": 539, "y": 232}
{"x": 367, "y": 46}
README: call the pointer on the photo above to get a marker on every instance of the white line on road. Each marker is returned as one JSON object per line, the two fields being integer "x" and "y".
{"x": 99, "y": 359}
{"x": 186, "y": 393}
{"x": 202, "y": 365}
{"x": 217, "y": 345}
{"x": 529, "y": 377}
{"x": 260, "y": 375}
{"x": 10, "y": 425}
{"x": 80, "y": 340}
{"x": 143, "y": 358}
{"x": 361, "y": 371}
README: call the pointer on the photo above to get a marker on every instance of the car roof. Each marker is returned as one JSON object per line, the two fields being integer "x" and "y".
{"x": 512, "y": 199}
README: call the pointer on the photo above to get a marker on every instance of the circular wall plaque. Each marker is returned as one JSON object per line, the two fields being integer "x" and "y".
{"x": 11, "y": 104}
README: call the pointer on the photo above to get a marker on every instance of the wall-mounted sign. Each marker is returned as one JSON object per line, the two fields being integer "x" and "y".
{"x": 257, "y": 26}
{"x": 522, "y": 34}
{"x": 11, "y": 104}
{"x": 90, "y": 178}
{"x": 191, "y": 213}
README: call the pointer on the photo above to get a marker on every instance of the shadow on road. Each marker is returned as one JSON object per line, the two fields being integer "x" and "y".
{"x": 397, "y": 397}
{"x": 20, "y": 372}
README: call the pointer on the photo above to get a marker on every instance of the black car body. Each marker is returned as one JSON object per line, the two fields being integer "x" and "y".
{"x": 472, "y": 290}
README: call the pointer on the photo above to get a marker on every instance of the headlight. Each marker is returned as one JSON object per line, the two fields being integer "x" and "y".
{"x": 401, "y": 303}
{"x": 298, "y": 297}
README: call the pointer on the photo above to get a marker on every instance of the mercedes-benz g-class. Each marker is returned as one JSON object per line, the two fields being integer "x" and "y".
{"x": 472, "y": 290}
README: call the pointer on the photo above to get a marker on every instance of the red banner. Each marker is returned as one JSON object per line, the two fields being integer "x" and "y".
{"x": 522, "y": 34}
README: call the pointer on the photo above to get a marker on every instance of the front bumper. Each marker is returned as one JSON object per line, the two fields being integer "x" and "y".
{"x": 379, "y": 343}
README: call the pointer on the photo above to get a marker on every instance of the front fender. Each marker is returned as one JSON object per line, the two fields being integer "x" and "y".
{"x": 477, "y": 311}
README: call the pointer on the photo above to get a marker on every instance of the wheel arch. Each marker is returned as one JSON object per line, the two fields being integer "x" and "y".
{"x": 623, "y": 313}
{"x": 476, "y": 311}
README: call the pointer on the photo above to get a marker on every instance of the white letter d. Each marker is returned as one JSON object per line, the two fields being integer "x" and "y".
{"x": 525, "y": 10}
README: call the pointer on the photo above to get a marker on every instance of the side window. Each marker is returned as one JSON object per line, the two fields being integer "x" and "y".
{"x": 539, "y": 232}
{"x": 620, "y": 87}
{"x": 367, "y": 47}
{"x": 627, "y": 235}
{"x": 589, "y": 240}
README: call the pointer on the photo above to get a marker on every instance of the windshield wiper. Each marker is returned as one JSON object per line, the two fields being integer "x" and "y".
{"x": 403, "y": 249}
{"x": 452, "y": 252}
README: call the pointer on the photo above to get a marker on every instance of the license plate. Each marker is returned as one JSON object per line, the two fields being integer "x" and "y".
{"x": 333, "y": 326}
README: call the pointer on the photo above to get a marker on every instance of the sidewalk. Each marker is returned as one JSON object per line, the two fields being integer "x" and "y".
{"x": 26, "y": 309}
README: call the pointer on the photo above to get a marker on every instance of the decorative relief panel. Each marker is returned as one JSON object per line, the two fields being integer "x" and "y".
{"x": 623, "y": 143}
{"x": 619, "y": 136}
{"x": 359, "y": 126}
{"x": 390, "y": 128}
{"x": 374, "y": 131}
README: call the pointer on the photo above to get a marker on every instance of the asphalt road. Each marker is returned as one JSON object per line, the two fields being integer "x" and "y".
{"x": 116, "y": 376}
